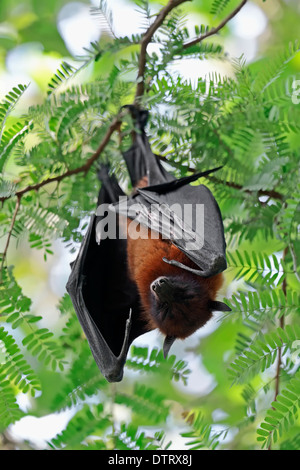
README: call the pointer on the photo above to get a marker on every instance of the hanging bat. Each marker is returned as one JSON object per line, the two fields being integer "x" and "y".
{"x": 159, "y": 268}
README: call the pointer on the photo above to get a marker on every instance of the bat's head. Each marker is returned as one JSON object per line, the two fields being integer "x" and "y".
{"x": 180, "y": 305}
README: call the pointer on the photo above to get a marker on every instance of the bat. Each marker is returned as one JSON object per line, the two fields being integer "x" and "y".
{"x": 153, "y": 259}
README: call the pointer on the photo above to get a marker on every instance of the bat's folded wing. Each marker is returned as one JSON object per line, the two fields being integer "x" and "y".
{"x": 105, "y": 300}
{"x": 142, "y": 162}
{"x": 188, "y": 216}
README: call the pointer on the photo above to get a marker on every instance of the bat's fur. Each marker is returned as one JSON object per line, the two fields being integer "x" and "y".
{"x": 189, "y": 308}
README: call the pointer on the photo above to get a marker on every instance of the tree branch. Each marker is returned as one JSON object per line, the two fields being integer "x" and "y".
{"x": 81, "y": 169}
{"x": 217, "y": 28}
{"x": 147, "y": 39}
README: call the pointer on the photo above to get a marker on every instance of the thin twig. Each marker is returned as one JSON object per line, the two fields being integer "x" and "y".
{"x": 215, "y": 30}
{"x": 269, "y": 193}
{"x": 17, "y": 207}
{"x": 147, "y": 39}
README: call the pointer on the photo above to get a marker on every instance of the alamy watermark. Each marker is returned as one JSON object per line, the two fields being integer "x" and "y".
{"x": 184, "y": 222}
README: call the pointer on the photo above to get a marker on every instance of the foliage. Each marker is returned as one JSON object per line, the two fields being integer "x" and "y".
{"x": 244, "y": 121}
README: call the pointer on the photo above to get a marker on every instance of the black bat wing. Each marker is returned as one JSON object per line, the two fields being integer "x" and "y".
{"x": 190, "y": 218}
{"x": 106, "y": 301}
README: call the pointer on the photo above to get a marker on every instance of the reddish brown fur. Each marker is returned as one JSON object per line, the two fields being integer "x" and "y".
{"x": 145, "y": 263}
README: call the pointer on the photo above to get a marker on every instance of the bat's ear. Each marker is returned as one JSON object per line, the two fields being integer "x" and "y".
{"x": 169, "y": 340}
{"x": 219, "y": 306}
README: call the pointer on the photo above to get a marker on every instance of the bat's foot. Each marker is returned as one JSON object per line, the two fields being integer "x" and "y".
{"x": 103, "y": 172}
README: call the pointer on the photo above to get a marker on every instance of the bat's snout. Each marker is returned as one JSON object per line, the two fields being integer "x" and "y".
{"x": 162, "y": 287}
